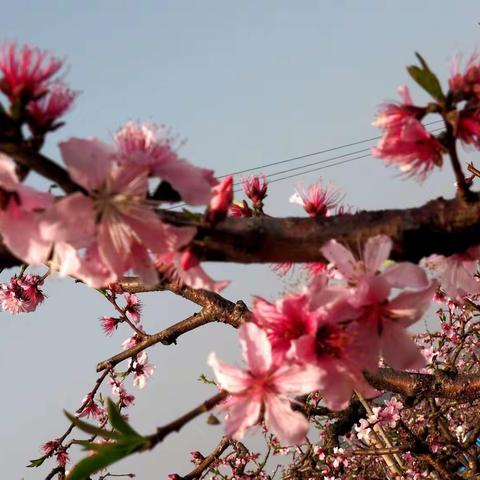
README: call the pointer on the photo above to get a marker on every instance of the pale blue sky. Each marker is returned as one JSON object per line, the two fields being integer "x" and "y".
{"x": 246, "y": 83}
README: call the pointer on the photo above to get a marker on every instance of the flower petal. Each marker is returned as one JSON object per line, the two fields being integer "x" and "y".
{"x": 256, "y": 348}
{"x": 230, "y": 378}
{"x": 289, "y": 426}
{"x": 88, "y": 161}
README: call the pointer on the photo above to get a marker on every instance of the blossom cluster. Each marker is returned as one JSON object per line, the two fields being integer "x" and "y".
{"x": 109, "y": 226}
{"x": 407, "y": 143}
{"x": 324, "y": 337}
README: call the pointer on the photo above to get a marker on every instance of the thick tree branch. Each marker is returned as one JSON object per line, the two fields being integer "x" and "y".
{"x": 459, "y": 387}
{"x": 440, "y": 226}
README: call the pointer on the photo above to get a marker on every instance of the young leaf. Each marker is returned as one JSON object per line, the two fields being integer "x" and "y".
{"x": 117, "y": 422}
{"x": 109, "y": 454}
{"x": 426, "y": 78}
{"x": 91, "y": 429}
{"x": 36, "y": 462}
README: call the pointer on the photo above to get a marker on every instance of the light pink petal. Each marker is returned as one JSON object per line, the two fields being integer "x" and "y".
{"x": 114, "y": 240}
{"x": 230, "y": 378}
{"x": 341, "y": 257}
{"x": 377, "y": 250}
{"x": 19, "y": 230}
{"x": 197, "y": 277}
{"x": 256, "y": 348}
{"x": 409, "y": 307}
{"x": 298, "y": 379}
{"x": 338, "y": 385}
{"x": 129, "y": 180}
{"x": 289, "y": 426}
{"x": 71, "y": 219}
{"x": 398, "y": 348}
{"x": 88, "y": 161}
{"x": 192, "y": 183}
{"x": 32, "y": 199}
{"x": 244, "y": 412}
{"x": 405, "y": 274}
{"x": 8, "y": 176}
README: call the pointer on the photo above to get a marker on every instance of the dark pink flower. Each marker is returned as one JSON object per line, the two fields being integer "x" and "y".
{"x": 27, "y": 71}
{"x": 255, "y": 188}
{"x": 411, "y": 147}
{"x": 49, "y": 447}
{"x": 91, "y": 408}
{"x": 466, "y": 83}
{"x": 109, "y": 324}
{"x": 21, "y": 294}
{"x": 47, "y": 110}
{"x": 62, "y": 457}
{"x": 318, "y": 200}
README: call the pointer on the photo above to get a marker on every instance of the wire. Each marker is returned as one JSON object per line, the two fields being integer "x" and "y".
{"x": 310, "y": 164}
{"x": 291, "y": 159}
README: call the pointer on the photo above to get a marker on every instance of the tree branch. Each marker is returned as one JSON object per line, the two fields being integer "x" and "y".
{"x": 170, "y": 334}
{"x": 180, "y": 422}
{"x": 465, "y": 387}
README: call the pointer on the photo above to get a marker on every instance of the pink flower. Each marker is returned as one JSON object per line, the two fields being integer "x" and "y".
{"x": 383, "y": 321}
{"x": 151, "y": 147}
{"x": 456, "y": 272}
{"x": 264, "y": 387}
{"x": 133, "y": 307}
{"x": 27, "y": 71}
{"x": 284, "y": 321}
{"x": 318, "y": 200}
{"x": 109, "y": 324}
{"x": 62, "y": 457}
{"x": 220, "y": 200}
{"x": 465, "y": 83}
{"x": 21, "y": 294}
{"x": 338, "y": 350}
{"x": 117, "y": 221}
{"x": 376, "y": 252}
{"x": 410, "y": 147}
{"x": 142, "y": 370}
{"x": 91, "y": 409}
{"x": 49, "y": 447}
{"x": 47, "y": 110}
{"x": 255, "y": 188}
{"x": 394, "y": 115}
{"x": 363, "y": 430}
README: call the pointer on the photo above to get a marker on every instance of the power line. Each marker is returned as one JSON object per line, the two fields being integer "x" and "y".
{"x": 311, "y": 164}
{"x": 312, "y": 154}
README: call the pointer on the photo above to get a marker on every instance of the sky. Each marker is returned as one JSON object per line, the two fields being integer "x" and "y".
{"x": 244, "y": 84}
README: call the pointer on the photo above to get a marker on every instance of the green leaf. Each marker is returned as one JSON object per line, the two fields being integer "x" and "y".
{"x": 92, "y": 429}
{"x": 36, "y": 462}
{"x": 117, "y": 422}
{"x": 426, "y": 78}
{"x": 204, "y": 379}
{"x": 105, "y": 456}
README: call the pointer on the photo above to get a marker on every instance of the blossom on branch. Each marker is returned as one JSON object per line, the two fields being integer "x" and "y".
{"x": 21, "y": 294}
{"x": 317, "y": 200}
{"x": 27, "y": 71}
{"x": 406, "y": 142}
{"x": 264, "y": 387}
